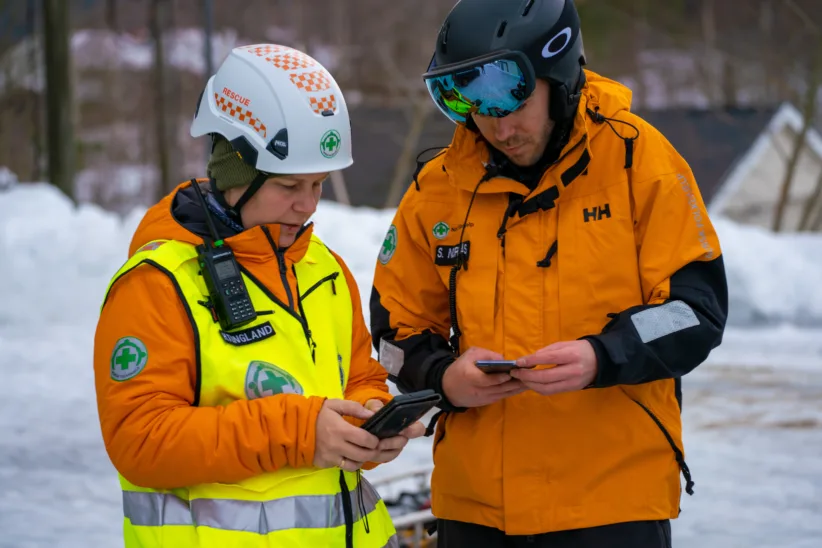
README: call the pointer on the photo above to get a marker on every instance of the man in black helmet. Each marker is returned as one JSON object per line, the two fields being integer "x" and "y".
{"x": 564, "y": 233}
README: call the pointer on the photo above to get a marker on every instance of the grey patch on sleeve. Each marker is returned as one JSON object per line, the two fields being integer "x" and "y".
{"x": 392, "y": 357}
{"x": 659, "y": 321}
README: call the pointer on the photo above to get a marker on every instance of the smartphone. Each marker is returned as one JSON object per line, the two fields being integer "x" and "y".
{"x": 496, "y": 366}
{"x": 401, "y": 412}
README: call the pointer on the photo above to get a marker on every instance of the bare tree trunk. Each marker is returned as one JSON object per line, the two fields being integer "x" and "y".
{"x": 159, "y": 16}
{"x": 709, "y": 59}
{"x": 402, "y": 169}
{"x": 340, "y": 31}
{"x": 59, "y": 102}
{"x": 342, "y": 37}
{"x": 208, "y": 36}
{"x": 729, "y": 83}
{"x": 36, "y": 124}
{"x": 640, "y": 36}
{"x": 816, "y": 226}
{"x": 808, "y": 113}
{"x": 171, "y": 90}
{"x": 298, "y": 23}
{"x": 339, "y": 188}
{"x": 813, "y": 205}
{"x": 772, "y": 69}
{"x": 208, "y": 54}
{"x": 102, "y": 193}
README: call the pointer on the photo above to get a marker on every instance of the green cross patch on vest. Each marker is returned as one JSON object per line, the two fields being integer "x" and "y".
{"x": 265, "y": 379}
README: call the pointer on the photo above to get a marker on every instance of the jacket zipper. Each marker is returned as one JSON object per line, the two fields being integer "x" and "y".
{"x": 284, "y": 277}
{"x": 680, "y": 458}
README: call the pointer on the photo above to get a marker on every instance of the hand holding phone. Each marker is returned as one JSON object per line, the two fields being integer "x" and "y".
{"x": 496, "y": 366}
{"x": 466, "y": 385}
{"x": 401, "y": 412}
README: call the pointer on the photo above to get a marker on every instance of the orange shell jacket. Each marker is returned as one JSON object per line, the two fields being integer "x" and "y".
{"x": 154, "y": 432}
{"x": 625, "y": 257}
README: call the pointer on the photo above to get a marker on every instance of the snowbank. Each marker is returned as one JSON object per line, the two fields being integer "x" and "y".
{"x": 772, "y": 278}
{"x": 7, "y": 178}
{"x": 58, "y": 259}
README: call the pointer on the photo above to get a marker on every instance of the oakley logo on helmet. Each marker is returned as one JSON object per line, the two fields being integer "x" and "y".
{"x": 557, "y": 44}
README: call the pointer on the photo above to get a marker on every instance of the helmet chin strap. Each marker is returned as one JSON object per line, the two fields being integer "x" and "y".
{"x": 563, "y": 103}
{"x": 234, "y": 211}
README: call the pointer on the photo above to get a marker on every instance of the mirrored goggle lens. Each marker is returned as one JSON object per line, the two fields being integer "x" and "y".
{"x": 496, "y": 89}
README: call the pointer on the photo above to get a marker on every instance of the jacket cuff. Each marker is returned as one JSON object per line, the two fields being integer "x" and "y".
{"x": 437, "y": 364}
{"x": 307, "y": 442}
{"x": 607, "y": 370}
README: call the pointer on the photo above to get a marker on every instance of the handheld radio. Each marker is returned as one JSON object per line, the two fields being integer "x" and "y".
{"x": 226, "y": 289}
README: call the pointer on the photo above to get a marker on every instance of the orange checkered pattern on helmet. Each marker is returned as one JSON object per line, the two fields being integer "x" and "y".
{"x": 291, "y": 60}
{"x": 311, "y": 81}
{"x": 282, "y": 57}
{"x": 264, "y": 50}
{"x": 321, "y": 104}
{"x": 241, "y": 114}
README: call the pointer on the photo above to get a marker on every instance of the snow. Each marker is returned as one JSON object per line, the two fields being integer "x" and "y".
{"x": 7, "y": 178}
{"x": 772, "y": 277}
{"x": 752, "y": 413}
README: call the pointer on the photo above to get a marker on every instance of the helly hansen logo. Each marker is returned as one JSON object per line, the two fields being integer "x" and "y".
{"x": 597, "y": 213}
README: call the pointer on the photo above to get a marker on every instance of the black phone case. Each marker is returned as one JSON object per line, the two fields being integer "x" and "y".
{"x": 401, "y": 412}
{"x": 495, "y": 367}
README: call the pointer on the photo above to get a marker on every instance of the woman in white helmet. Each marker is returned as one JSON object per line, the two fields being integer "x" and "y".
{"x": 231, "y": 344}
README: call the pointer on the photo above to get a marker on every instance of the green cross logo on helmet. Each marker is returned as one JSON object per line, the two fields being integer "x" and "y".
{"x": 330, "y": 143}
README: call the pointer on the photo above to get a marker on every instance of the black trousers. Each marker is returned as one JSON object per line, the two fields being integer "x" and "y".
{"x": 634, "y": 534}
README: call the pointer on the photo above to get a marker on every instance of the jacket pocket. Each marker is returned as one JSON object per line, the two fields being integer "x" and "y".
{"x": 330, "y": 278}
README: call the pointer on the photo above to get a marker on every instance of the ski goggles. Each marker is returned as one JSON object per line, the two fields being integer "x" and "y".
{"x": 492, "y": 85}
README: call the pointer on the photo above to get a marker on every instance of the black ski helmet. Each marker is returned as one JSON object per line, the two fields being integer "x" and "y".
{"x": 546, "y": 32}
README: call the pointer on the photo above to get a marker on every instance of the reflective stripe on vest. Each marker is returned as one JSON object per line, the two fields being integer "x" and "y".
{"x": 289, "y": 507}
{"x": 299, "y": 512}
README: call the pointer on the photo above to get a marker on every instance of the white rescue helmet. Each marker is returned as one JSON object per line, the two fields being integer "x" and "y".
{"x": 281, "y": 110}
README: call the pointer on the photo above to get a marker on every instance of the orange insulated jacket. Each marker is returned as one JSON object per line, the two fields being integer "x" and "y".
{"x": 614, "y": 245}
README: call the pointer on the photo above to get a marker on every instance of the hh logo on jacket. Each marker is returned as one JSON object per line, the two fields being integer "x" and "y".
{"x": 597, "y": 213}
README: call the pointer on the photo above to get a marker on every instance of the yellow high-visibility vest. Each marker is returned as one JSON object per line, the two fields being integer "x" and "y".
{"x": 293, "y": 507}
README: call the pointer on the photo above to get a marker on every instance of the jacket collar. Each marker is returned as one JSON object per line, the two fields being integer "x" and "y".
{"x": 468, "y": 160}
{"x": 179, "y": 216}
